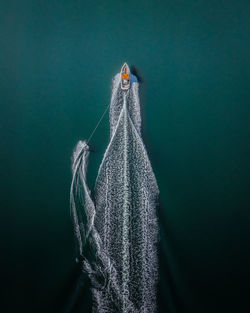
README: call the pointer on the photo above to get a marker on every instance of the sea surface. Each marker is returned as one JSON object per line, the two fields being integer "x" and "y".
{"x": 57, "y": 60}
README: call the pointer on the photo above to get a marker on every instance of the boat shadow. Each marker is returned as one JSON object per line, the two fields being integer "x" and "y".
{"x": 135, "y": 72}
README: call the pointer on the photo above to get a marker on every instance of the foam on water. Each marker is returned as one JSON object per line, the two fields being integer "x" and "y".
{"x": 117, "y": 230}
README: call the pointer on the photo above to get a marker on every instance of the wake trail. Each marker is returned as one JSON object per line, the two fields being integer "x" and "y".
{"x": 117, "y": 229}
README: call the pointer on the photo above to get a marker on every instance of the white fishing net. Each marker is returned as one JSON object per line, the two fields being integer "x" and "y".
{"x": 117, "y": 231}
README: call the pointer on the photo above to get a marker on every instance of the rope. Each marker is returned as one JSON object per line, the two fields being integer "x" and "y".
{"x": 98, "y": 124}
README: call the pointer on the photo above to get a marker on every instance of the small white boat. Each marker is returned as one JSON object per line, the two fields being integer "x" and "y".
{"x": 125, "y": 77}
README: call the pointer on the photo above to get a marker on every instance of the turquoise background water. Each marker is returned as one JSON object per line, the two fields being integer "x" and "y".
{"x": 57, "y": 59}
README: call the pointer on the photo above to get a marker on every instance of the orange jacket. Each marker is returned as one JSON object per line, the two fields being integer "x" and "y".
{"x": 125, "y": 76}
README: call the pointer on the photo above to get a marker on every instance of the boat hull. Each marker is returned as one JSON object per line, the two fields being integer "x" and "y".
{"x": 125, "y": 77}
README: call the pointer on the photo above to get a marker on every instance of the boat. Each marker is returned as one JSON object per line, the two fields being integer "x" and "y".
{"x": 125, "y": 77}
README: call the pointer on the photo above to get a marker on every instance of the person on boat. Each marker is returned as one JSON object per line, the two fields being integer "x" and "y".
{"x": 125, "y": 76}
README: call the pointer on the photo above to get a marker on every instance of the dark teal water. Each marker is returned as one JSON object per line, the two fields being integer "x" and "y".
{"x": 57, "y": 59}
